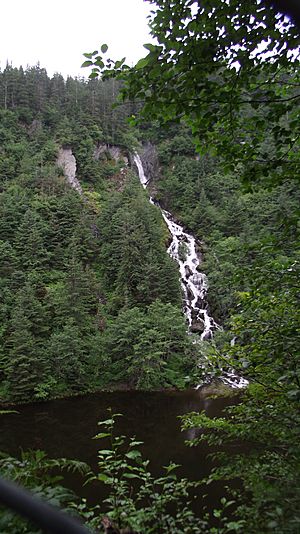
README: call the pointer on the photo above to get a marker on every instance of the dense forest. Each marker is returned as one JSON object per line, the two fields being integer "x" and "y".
{"x": 73, "y": 318}
{"x": 89, "y": 297}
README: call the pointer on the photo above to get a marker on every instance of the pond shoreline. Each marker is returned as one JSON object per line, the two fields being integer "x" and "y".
{"x": 216, "y": 388}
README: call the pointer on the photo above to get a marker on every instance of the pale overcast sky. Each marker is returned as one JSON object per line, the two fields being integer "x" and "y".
{"x": 56, "y": 33}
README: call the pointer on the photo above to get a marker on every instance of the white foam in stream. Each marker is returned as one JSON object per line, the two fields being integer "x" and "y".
{"x": 183, "y": 249}
{"x": 194, "y": 284}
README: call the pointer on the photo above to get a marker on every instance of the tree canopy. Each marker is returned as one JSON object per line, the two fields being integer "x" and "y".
{"x": 228, "y": 69}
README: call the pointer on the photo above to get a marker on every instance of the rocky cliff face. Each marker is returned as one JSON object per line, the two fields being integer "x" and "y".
{"x": 115, "y": 152}
{"x": 150, "y": 163}
{"x": 67, "y": 162}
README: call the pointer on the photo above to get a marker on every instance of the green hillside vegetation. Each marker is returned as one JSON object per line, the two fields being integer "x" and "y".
{"x": 89, "y": 297}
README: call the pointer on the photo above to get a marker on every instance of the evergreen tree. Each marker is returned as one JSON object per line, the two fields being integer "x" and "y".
{"x": 26, "y": 362}
{"x": 147, "y": 348}
{"x": 30, "y": 241}
{"x": 67, "y": 353}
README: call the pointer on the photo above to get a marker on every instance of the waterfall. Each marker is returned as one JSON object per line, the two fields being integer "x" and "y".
{"x": 194, "y": 284}
{"x": 183, "y": 249}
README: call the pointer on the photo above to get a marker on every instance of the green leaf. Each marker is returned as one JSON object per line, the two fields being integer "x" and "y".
{"x": 119, "y": 64}
{"x": 87, "y": 63}
{"x": 107, "y": 422}
{"x": 142, "y": 63}
{"x": 130, "y": 475}
{"x": 133, "y": 454}
{"x": 104, "y": 48}
{"x": 134, "y": 443}
{"x": 104, "y": 478}
{"x": 171, "y": 467}
{"x": 101, "y": 435}
{"x": 217, "y": 513}
{"x": 99, "y": 63}
{"x": 151, "y": 47}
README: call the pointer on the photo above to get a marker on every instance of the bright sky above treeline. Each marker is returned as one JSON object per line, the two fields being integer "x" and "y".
{"x": 56, "y": 33}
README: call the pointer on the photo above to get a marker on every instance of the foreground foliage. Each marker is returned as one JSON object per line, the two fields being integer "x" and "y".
{"x": 216, "y": 64}
{"x": 38, "y": 473}
{"x": 136, "y": 500}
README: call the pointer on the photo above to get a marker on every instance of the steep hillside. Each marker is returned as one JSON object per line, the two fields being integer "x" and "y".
{"x": 89, "y": 296}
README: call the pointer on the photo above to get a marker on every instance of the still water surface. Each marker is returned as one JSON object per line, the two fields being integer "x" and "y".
{"x": 64, "y": 428}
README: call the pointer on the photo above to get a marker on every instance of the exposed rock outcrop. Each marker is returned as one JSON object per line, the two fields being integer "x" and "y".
{"x": 115, "y": 152}
{"x": 67, "y": 162}
{"x": 149, "y": 160}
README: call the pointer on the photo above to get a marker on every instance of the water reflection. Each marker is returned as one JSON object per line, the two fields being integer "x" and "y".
{"x": 65, "y": 427}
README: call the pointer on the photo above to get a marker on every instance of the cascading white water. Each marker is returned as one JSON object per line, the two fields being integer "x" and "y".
{"x": 183, "y": 249}
{"x": 142, "y": 177}
{"x": 194, "y": 283}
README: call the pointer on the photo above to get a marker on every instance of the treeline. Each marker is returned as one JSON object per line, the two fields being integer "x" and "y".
{"x": 89, "y": 297}
{"x": 32, "y": 93}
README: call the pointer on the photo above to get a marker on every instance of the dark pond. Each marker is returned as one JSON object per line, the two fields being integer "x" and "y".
{"x": 64, "y": 428}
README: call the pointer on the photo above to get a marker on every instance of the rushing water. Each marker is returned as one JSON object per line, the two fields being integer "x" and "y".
{"x": 183, "y": 249}
{"x": 193, "y": 283}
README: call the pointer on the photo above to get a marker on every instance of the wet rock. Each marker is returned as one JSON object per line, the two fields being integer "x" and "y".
{"x": 208, "y": 335}
{"x": 197, "y": 327}
{"x": 188, "y": 271}
{"x": 200, "y": 305}
{"x": 150, "y": 161}
{"x": 112, "y": 151}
